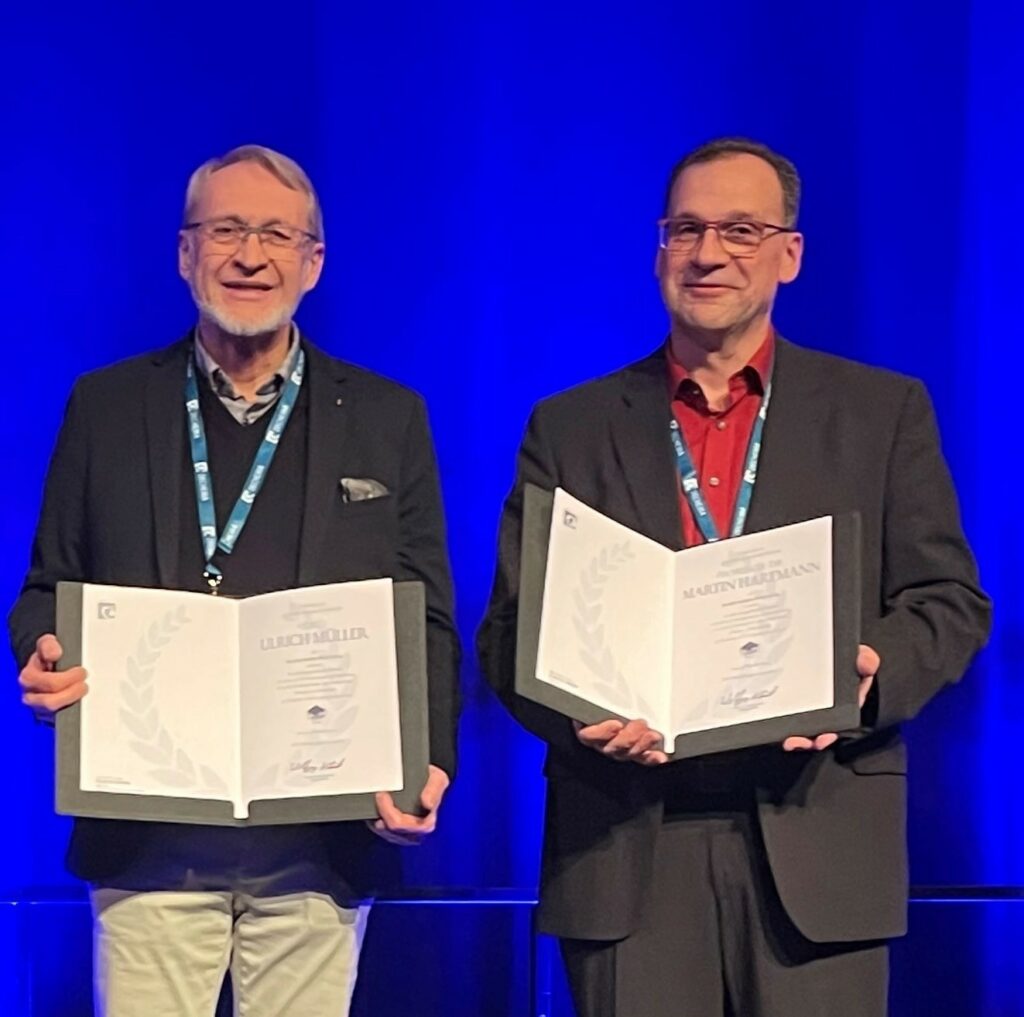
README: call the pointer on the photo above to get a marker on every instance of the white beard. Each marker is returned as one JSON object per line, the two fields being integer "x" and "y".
{"x": 230, "y": 325}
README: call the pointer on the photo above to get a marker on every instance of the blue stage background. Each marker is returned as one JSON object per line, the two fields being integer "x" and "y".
{"x": 490, "y": 175}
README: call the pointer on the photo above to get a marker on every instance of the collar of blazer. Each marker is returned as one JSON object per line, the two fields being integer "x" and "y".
{"x": 165, "y": 441}
{"x": 642, "y": 447}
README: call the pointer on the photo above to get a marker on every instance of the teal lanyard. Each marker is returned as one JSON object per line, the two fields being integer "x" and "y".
{"x": 690, "y": 482}
{"x": 257, "y": 472}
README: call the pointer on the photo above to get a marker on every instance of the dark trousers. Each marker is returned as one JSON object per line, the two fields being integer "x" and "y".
{"x": 716, "y": 941}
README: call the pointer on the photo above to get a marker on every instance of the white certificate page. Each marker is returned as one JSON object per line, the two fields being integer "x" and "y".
{"x": 161, "y": 716}
{"x": 320, "y": 713}
{"x": 753, "y": 628}
{"x": 606, "y": 619}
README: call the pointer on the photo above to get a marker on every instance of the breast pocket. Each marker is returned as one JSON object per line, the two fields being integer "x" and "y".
{"x": 362, "y": 539}
{"x": 354, "y": 509}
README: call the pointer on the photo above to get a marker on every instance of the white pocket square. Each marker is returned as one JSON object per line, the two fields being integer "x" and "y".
{"x": 361, "y": 489}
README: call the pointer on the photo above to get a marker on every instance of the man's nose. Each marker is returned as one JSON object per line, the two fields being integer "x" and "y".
{"x": 251, "y": 255}
{"x": 708, "y": 251}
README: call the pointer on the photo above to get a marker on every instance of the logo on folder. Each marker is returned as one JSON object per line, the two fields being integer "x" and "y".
{"x": 316, "y": 713}
{"x": 748, "y": 649}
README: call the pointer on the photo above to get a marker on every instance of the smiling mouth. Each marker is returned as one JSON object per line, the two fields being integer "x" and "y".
{"x": 255, "y": 289}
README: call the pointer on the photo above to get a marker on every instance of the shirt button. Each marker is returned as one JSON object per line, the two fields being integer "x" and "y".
{"x": 720, "y": 425}
{"x": 714, "y": 481}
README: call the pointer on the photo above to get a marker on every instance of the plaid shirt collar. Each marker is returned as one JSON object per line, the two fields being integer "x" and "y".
{"x": 244, "y": 411}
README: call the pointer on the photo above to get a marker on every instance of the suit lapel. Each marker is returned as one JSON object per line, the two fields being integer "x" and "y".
{"x": 794, "y": 418}
{"x": 165, "y": 444}
{"x": 326, "y": 428}
{"x": 641, "y": 444}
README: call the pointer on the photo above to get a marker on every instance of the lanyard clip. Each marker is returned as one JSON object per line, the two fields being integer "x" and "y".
{"x": 213, "y": 580}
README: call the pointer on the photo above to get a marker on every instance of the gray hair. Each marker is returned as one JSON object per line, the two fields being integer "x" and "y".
{"x": 722, "y": 148}
{"x": 288, "y": 171}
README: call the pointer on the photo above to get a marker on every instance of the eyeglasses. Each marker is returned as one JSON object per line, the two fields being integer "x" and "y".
{"x": 739, "y": 237}
{"x": 229, "y": 234}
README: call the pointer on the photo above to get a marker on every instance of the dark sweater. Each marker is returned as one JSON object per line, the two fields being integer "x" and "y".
{"x": 267, "y": 551}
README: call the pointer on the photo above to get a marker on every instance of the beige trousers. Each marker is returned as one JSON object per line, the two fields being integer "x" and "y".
{"x": 164, "y": 953}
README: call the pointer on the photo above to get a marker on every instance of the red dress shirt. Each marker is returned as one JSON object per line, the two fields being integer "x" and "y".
{"x": 717, "y": 439}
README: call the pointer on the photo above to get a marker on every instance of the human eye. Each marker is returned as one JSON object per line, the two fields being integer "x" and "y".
{"x": 741, "y": 231}
{"x": 685, "y": 229}
{"x": 281, "y": 236}
{"x": 223, "y": 230}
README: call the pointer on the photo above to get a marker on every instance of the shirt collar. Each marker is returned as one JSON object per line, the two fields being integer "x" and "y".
{"x": 221, "y": 383}
{"x": 754, "y": 373}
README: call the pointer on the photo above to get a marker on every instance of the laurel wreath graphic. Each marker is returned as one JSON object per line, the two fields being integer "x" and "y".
{"x": 140, "y": 714}
{"x": 588, "y": 621}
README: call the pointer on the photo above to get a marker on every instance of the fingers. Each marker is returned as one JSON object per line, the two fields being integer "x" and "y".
{"x": 795, "y": 744}
{"x": 864, "y": 688}
{"x": 45, "y": 691}
{"x": 819, "y": 744}
{"x": 653, "y": 758}
{"x": 46, "y": 704}
{"x": 378, "y": 827}
{"x": 648, "y": 741}
{"x": 434, "y": 789}
{"x": 34, "y": 678}
{"x": 596, "y": 736}
{"x": 634, "y": 741}
{"x": 398, "y": 827}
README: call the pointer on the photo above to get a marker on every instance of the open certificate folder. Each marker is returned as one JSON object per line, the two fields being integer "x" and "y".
{"x": 725, "y": 645}
{"x": 285, "y": 707}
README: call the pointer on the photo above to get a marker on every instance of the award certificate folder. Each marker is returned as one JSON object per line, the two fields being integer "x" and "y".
{"x": 288, "y": 707}
{"x": 722, "y": 646}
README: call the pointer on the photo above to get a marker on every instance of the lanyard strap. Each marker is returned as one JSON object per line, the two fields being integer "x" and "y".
{"x": 690, "y": 482}
{"x": 257, "y": 472}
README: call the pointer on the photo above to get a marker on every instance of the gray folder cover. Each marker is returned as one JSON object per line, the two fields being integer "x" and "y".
{"x": 844, "y": 715}
{"x": 411, "y": 652}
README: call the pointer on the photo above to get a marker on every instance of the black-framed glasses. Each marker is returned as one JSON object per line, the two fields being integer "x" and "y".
{"x": 738, "y": 237}
{"x": 230, "y": 233}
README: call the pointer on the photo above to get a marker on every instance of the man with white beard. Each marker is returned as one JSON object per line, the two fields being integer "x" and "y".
{"x": 351, "y": 492}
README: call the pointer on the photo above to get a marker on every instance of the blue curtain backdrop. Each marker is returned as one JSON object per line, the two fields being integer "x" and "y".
{"x": 490, "y": 175}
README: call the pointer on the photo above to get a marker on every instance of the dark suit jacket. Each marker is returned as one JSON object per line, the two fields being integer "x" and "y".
{"x": 111, "y": 515}
{"x": 839, "y": 436}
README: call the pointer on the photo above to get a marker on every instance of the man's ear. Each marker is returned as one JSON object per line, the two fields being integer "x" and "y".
{"x": 313, "y": 267}
{"x": 792, "y": 257}
{"x": 185, "y": 255}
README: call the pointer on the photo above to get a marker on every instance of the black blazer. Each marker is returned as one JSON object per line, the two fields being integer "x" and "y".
{"x": 110, "y": 515}
{"x": 839, "y": 436}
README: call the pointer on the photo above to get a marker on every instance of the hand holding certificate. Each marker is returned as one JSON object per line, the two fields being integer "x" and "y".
{"x": 735, "y": 643}
{"x": 286, "y": 707}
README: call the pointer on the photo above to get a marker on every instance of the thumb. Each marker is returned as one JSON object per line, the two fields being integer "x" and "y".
{"x": 434, "y": 789}
{"x": 48, "y": 650}
{"x": 868, "y": 661}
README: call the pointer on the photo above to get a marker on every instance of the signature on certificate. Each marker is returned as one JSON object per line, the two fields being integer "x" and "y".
{"x": 744, "y": 699}
{"x": 310, "y": 767}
